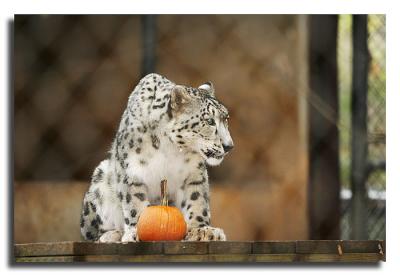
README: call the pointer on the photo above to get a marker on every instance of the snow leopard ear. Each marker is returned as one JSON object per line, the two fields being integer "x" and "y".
{"x": 179, "y": 97}
{"x": 208, "y": 87}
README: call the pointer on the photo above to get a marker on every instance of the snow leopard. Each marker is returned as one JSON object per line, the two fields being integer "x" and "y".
{"x": 167, "y": 131}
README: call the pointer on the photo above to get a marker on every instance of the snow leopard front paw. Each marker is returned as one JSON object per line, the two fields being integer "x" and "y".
{"x": 206, "y": 233}
{"x": 111, "y": 236}
{"x": 130, "y": 236}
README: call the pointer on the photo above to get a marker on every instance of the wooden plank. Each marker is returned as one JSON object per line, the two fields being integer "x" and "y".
{"x": 270, "y": 251}
{"x": 185, "y": 247}
{"x": 204, "y": 258}
{"x": 317, "y": 247}
{"x": 217, "y": 247}
{"x": 224, "y": 258}
{"x": 274, "y": 247}
{"x": 44, "y": 249}
{"x": 46, "y": 259}
{"x": 331, "y": 246}
{"x": 350, "y": 257}
{"x": 131, "y": 248}
{"x": 140, "y": 248}
{"x": 382, "y": 252}
{"x": 92, "y": 248}
{"x": 360, "y": 246}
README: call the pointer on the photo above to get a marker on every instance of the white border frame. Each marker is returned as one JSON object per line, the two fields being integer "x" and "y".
{"x": 8, "y": 8}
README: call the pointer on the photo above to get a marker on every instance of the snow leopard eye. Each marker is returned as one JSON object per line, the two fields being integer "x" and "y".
{"x": 211, "y": 122}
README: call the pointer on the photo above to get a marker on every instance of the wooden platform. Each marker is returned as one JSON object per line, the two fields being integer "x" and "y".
{"x": 268, "y": 251}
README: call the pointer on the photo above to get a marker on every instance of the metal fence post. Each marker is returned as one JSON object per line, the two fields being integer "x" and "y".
{"x": 359, "y": 146}
{"x": 324, "y": 182}
{"x": 148, "y": 44}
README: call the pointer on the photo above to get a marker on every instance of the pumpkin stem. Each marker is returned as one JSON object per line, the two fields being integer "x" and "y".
{"x": 164, "y": 193}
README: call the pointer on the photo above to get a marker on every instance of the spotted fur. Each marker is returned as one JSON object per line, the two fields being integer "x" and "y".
{"x": 167, "y": 131}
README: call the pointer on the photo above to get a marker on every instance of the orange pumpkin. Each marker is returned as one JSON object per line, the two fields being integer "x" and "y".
{"x": 161, "y": 223}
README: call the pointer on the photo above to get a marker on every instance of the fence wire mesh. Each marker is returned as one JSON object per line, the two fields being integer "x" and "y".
{"x": 66, "y": 67}
{"x": 75, "y": 73}
{"x": 376, "y": 122}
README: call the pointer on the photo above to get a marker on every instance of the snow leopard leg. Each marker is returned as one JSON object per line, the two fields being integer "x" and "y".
{"x": 196, "y": 209}
{"x": 91, "y": 222}
{"x": 134, "y": 199}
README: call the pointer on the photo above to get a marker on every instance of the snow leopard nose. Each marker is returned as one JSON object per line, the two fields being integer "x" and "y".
{"x": 227, "y": 147}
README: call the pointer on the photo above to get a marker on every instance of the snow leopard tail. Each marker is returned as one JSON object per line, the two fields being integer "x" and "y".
{"x": 91, "y": 222}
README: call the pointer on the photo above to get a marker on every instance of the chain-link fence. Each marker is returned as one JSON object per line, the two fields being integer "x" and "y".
{"x": 376, "y": 121}
{"x": 75, "y": 73}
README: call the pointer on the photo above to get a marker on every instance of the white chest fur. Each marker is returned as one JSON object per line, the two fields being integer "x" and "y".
{"x": 165, "y": 163}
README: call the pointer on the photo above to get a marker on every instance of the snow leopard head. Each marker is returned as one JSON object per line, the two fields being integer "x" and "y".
{"x": 199, "y": 122}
